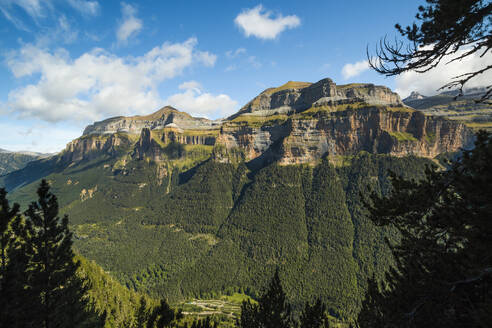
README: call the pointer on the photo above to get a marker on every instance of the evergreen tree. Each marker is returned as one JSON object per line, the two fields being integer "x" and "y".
{"x": 272, "y": 311}
{"x": 462, "y": 28}
{"x": 142, "y": 315}
{"x": 161, "y": 316}
{"x": 249, "y": 315}
{"x": 57, "y": 292}
{"x": 443, "y": 274}
{"x": 314, "y": 316}
{"x": 7, "y": 216}
{"x": 14, "y": 302}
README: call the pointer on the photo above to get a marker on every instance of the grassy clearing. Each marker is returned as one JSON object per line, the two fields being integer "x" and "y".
{"x": 259, "y": 121}
{"x": 479, "y": 125}
{"x": 402, "y": 136}
{"x": 196, "y": 132}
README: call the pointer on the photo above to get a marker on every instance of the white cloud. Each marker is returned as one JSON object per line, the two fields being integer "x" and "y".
{"x": 198, "y": 103}
{"x": 351, "y": 70}
{"x": 65, "y": 31}
{"x": 34, "y": 8}
{"x": 428, "y": 83}
{"x": 97, "y": 84}
{"x": 253, "y": 61}
{"x": 207, "y": 58}
{"x": 130, "y": 26}
{"x": 85, "y": 6}
{"x": 235, "y": 53}
{"x": 190, "y": 85}
{"x": 259, "y": 23}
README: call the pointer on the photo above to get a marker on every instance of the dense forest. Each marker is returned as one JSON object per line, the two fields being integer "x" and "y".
{"x": 219, "y": 228}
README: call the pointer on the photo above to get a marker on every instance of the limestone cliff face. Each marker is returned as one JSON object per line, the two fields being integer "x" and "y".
{"x": 295, "y": 123}
{"x": 89, "y": 147}
{"x": 372, "y": 129}
{"x": 158, "y": 120}
{"x": 298, "y": 96}
{"x": 148, "y": 147}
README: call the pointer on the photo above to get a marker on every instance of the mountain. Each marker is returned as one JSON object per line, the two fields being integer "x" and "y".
{"x": 464, "y": 109}
{"x": 413, "y": 97}
{"x": 183, "y": 207}
{"x": 11, "y": 161}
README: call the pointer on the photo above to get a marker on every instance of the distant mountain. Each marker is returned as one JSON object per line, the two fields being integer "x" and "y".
{"x": 464, "y": 109}
{"x": 413, "y": 96}
{"x": 11, "y": 161}
{"x": 185, "y": 207}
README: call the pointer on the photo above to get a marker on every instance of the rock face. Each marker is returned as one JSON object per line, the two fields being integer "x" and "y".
{"x": 299, "y": 96}
{"x": 158, "y": 120}
{"x": 372, "y": 129}
{"x": 87, "y": 148}
{"x": 296, "y": 123}
{"x": 413, "y": 96}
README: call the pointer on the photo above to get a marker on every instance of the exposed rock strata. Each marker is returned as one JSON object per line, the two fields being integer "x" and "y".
{"x": 296, "y": 123}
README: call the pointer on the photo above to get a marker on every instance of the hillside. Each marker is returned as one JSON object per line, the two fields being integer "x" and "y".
{"x": 184, "y": 207}
{"x": 11, "y": 161}
{"x": 464, "y": 109}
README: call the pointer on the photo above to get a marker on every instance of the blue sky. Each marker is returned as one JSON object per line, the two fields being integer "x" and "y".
{"x": 66, "y": 63}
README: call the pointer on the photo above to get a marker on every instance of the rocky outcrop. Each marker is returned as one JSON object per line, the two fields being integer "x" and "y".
{"x": 148, "y": 147}
{"x": 92, "y": 146}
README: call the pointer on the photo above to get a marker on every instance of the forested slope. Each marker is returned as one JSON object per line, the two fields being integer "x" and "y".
{"x": 220, "y": 226}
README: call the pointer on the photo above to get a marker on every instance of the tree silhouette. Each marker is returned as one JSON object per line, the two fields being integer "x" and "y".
{"x": 57, "y": 293}
{"x": 272, "y": 311}
{"x": 445, "y": 27}
{"x": 443, "y": 274}
{"x": 314, "y": 316}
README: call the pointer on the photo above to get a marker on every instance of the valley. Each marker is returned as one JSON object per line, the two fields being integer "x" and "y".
{"x": 185, "y": 208}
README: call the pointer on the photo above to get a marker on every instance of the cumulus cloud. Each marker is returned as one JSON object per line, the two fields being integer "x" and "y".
{"x": 260, "y": 23}
{"x": 199, "y": 103}
{"x": 428, "y": 83}
{"x": 351, "y": 70}
{"x": 130, "y": 25}
{"x": 97, "y": 84}
{"x": 85, "y": 7}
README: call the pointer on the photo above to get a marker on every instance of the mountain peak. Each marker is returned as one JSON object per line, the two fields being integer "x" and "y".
{"x": 134, "y": 124}
{"x": 415, "y": 95}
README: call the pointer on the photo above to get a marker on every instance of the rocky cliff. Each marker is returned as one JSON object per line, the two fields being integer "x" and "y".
{"x": 295, "y": 123}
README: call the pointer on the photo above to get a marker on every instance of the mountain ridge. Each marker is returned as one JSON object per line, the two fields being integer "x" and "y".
{"x": 298, "y": 122}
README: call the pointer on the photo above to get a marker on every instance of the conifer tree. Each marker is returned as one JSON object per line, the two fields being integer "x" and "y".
{"x": 314, "y": 316}
{"x": 161, "y": 316}
{"x": 57, "y": 292}
{"x": 7, "y": 216}
{"x": 142, "y": 315}
{"x": 443, "y": 274}
{"x": 13, "y": 267}
{"x": 272, "y": 311}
